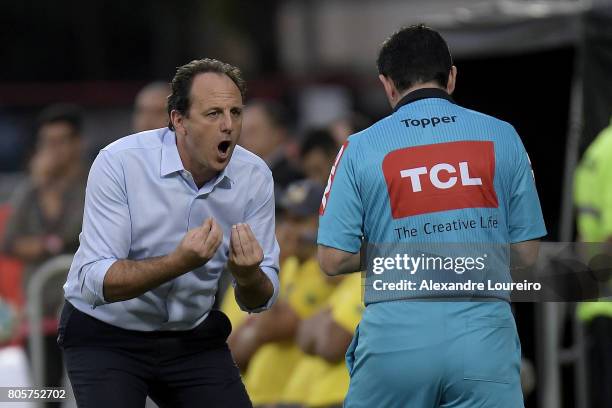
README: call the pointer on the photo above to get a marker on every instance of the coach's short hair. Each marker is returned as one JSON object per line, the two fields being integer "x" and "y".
{"x": 413, "y": 55}
{"x": 179, "y": 99}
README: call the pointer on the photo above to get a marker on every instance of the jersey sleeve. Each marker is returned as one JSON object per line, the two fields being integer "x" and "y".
{"x": 341, "y": 212}
{"x": 525, "y": 220}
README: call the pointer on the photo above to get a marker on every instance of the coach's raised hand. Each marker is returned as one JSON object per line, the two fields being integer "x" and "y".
{"x": 199, "y": 245}
{"x": 245, "y": 253}
{"x": 127, "y": 279}
{"x": 253, "y": 288}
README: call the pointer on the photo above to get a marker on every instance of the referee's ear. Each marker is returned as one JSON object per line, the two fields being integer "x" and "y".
{"x": 390, "y": 90}
{"x": 452, "y": 80}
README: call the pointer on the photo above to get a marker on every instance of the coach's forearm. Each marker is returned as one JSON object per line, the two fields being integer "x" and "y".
{"x": 255, "y": 290}
{"x": 127, "y": 279}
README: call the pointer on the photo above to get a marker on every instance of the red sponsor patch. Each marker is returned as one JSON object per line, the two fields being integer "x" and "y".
{"x": 440, "y": 177}
{"x": 330, "y": 180}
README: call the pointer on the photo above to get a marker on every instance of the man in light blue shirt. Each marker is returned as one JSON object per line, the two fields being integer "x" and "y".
{"x": 165, "y": 212}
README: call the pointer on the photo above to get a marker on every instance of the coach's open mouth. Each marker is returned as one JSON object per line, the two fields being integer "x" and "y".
{"x": 224, "y": 147}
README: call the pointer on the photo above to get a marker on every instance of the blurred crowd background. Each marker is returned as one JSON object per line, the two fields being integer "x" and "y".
{"x": 79, "y": 75}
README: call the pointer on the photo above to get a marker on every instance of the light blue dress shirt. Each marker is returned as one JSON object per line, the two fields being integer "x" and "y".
{"x": 140, "y": 202}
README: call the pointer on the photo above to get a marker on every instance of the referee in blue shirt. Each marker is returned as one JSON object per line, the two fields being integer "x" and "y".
{"x": 165, "y": 212}
{"x": 430, "y": 178}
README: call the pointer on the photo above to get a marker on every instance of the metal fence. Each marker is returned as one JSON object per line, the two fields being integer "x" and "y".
{"x": 50, "y": 269}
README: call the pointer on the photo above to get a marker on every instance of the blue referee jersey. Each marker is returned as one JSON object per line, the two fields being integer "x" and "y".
{"x": 432, "y": 173}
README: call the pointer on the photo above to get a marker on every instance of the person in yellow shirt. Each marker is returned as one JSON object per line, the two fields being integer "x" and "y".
{"x": 321, "y": 378}
{"x": 241, "y": 341}
{"x": 593, "y": 199}
{"x": 264, "y": 346}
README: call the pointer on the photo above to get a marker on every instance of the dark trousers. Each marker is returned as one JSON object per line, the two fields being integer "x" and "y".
{"x": 112, "y": 367}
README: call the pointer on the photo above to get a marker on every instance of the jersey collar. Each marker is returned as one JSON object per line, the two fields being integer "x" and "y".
{"x": 423, "y": 93}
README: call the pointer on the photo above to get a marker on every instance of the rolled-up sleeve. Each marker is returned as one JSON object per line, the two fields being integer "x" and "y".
{"x": 106, "y": 234}
{"x": 260, "y": 217}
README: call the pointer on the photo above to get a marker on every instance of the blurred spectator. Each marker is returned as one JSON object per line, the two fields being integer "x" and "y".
{"x": 12, "y": 145}
{"x": 47, "y": 212}
{"x": 11, "y": 290}
{"x": 321, "y": 378}
{"x": 342, "y": 128}
{"x": 8, "y": 319}
{"x": 317, "y": 153}
{"x": 264, "y": 345}
{"x": 265, "y": 132}
{"x": 593, "y": 198}
{"x": 150, "y": 107}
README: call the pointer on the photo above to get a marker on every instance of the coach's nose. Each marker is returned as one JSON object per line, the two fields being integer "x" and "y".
{"x": 226, "y": 123}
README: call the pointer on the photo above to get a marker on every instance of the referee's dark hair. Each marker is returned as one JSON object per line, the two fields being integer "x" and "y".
{"x": 62, "y": 113}
{"x": 181, "y": 83}
{"x": 413, "y": 55}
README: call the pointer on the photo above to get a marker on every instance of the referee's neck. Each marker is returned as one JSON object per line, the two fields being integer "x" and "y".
{"x": 413, "y": 88}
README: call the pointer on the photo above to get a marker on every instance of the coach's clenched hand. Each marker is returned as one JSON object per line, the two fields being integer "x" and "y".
{"x": 199, "y": 245}
{"x": 253, "y": 287}
{"x": 127, "y": 279}
{"x": 245, "y": 253}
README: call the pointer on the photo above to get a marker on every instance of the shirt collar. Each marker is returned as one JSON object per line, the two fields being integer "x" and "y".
{"x": 171, "y": 161}
{"x": 422, "y": 93}
{"x": 225, "y": 178}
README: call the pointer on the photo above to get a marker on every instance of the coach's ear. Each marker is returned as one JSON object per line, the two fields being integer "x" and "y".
{"x": 176, "y": 118}
{"x": 452, "y": 80}
{"x": 390, "y": 90}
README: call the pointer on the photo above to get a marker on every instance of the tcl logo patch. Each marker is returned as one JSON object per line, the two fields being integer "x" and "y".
{"x": 330, "y": 180}
{"x": 440, "y": 177}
